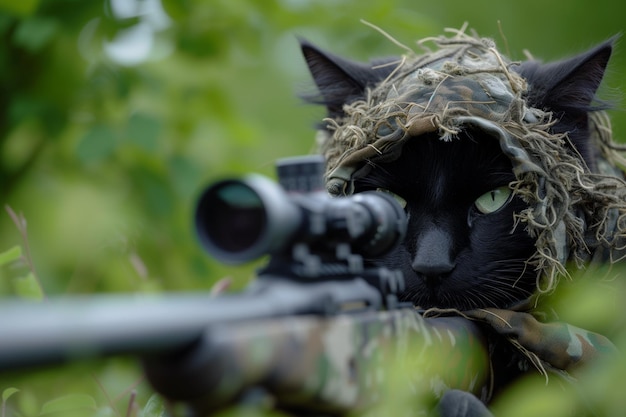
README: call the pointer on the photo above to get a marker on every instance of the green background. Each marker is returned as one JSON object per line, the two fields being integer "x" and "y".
{"x": 105, "y": 160}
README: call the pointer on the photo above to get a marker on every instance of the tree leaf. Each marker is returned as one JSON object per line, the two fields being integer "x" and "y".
{"x": 105, "y": 412}
{"x": 35, "y": 32}
{"x": 97, "y": 144}
{"x": 183, "y": 174}
{"x": 10, "y": 255}
{"x": 7, "y": 393}
{"x": 155, "y": 407}
{"x": 68, "y": 403}
{"x": 20, "y": 8}
{"x": 155, "y": 192}
{"x": 28, "y": 287}
{"x": 143, "y": 130}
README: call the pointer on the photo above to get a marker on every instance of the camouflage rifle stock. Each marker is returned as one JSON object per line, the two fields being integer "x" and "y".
{"x": 333, "y": 365}
{"x": 316, "y": 332}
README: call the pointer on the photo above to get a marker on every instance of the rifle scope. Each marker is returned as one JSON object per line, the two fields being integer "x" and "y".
{"x": 238, "y": 220}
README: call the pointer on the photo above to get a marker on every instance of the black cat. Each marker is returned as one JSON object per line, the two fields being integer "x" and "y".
{"x": 465, "y": 248}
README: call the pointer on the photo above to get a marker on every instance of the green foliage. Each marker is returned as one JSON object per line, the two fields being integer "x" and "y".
{"x": 6, "y": 394}
{"x": 21, "y": 8}
{"x": 106, "y": 157}
{"x": 592, "y": 299}
{"x": 155, "y": 407}
{"x": 27, "y": 287}
{"x": 10, "y": 255}
{"x": 69, "y": 404}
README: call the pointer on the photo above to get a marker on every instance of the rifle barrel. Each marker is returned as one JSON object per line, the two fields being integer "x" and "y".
{"x": 70, "y": 328}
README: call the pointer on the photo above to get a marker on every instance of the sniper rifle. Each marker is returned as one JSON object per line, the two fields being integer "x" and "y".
{"x": 315, "y": 332}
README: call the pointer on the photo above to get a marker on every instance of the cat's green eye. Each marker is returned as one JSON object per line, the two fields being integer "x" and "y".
{"x": 399, "y": 199}
{"x": 493, "y": 200}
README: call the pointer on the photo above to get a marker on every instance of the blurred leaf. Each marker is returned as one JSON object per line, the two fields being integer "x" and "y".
{"x": 105, "y": 412}
{"x": 157, "y": 197}
{"x": 556, "y": 398}
{"x": 155, "y": 407}
{"x": 27, "y": 402}
{"x": 97, "y": 144}
{"x": 7, "y": 393}
{"x": 71, "y": 402}
{"x": 176, "y": 9}
{"x": 143, "y": 130}
{"x": 21, "y": 7}
{"x": 10, "y": 255}
{"x": 111, "y": 25}
{"x": 28, "y": 288}
{"x": 34, "y": 33}
{"x": 6, "y": 22}
{"x": 24, "y": 105}
{"x": 184, "y": 174}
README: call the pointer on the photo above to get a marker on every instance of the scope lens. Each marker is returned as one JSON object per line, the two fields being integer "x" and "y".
{"x": 233, "y": 215}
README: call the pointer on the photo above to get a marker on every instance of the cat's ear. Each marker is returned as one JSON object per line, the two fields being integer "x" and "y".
{"x": 569, "y": 85}
{"x": 339, "y": 80}
{"x": 568, "y": 89}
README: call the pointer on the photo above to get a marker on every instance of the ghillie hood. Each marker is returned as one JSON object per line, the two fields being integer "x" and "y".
{"x": 574, "y": 212}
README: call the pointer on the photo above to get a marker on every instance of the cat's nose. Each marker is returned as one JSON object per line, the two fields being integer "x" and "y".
{"x": 433, "y": 256}
{"x": 433, "y": 271}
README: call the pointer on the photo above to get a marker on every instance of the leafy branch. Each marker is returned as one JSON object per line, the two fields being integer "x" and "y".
{"x": 32, "y": 279}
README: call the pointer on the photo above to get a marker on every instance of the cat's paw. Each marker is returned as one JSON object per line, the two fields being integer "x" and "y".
{"x": 457, "y": 403}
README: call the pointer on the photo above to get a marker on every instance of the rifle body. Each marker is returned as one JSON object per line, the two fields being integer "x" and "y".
{"x": 333, "y": 365}
{"x": 281, "y": 337}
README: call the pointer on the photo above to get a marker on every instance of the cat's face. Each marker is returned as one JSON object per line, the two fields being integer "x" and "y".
{"x": 464, "y": 248}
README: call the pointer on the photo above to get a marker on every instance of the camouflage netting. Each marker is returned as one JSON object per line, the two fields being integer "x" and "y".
{"x": 573, "y": 213}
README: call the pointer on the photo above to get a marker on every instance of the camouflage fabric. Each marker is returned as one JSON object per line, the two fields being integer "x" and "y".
{"x": 573, "y": 213}
{"x": 333, "y": 365}
{"x": 557, "y": 346}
